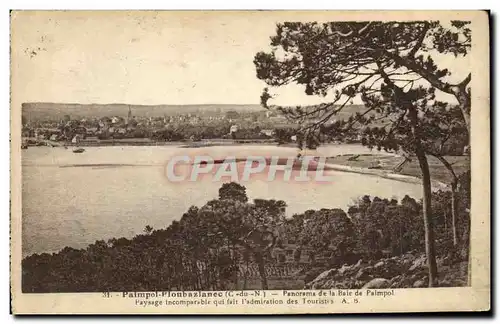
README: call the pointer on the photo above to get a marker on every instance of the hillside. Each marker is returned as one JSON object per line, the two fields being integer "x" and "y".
{"x": 47, "y": 110}
{"x": 52, "y": 111}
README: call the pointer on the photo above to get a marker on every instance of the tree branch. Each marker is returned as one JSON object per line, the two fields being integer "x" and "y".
{"x": 336, "y": 32}
{"x": 358, "y": 118}
{"x": 466, "y": 81}
{"x": 430, "y": 77}
{"x": 446, "y": 164}
{"x": 420, "y": 40}
{"x": 363, "y": 29}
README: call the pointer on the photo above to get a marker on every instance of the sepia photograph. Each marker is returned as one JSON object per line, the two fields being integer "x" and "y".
{"x": 224, "y": 161}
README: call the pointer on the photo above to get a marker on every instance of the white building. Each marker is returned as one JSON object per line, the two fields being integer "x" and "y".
{"x": 76, "y": 139}
{"x": 233, "y": 129}
{"x": 267, "y": 132}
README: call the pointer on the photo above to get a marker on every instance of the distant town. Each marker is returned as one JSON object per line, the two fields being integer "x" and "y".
{"x": 128, "y": 128}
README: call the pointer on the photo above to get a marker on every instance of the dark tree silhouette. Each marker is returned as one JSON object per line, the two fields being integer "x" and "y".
{"x": 253, "y": 227}
{"x": 233, "y": 191}
{"x": 321, "y": 56}
{"x": 377, "y": 62}
{"x": 203, "y": 250}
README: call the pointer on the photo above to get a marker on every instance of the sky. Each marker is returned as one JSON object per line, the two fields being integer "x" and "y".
{"x": 145, "y": 58}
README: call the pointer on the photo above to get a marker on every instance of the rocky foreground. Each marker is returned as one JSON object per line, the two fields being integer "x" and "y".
{"x": 406, "y": 271}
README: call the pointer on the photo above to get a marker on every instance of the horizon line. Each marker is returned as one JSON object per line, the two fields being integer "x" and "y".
{"x": 189, "y": 104}
{"x": 132, "y": 104}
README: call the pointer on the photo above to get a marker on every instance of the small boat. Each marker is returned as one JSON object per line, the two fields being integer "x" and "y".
{"x": 79, "y": 150}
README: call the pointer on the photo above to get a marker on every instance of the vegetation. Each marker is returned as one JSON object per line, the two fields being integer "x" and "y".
{"x": 390, "y": 67}
{"x": 211, "y": 246}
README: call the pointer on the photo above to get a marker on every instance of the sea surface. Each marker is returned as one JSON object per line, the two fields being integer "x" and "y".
{"x": 75, "y": 199}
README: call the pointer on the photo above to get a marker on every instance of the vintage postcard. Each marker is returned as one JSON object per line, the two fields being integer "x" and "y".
{"x": 250, "y": 162}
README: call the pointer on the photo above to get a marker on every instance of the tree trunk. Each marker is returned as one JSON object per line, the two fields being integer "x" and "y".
{"x": 236, "y": 266}
{"x": 424, "y": 167}
{"x": 400, "y": 239}
{"x": 181, "y": 272}
{"x": 427, "y": 207}
{"x": 427, "y": 211}
{"x": 445, "y": 221}
{"x": 464, "y": 98}
{"x": 454, "y": 203}
{"x": 262, "y": 270}
{"x": 246, "y": 274}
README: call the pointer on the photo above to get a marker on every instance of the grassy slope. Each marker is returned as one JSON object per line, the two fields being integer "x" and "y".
{"x": 438, "y": 171}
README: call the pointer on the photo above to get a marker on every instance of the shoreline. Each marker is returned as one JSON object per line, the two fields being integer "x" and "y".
{"x": 436, "y": 185}
{"x": 147, "y": 142}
